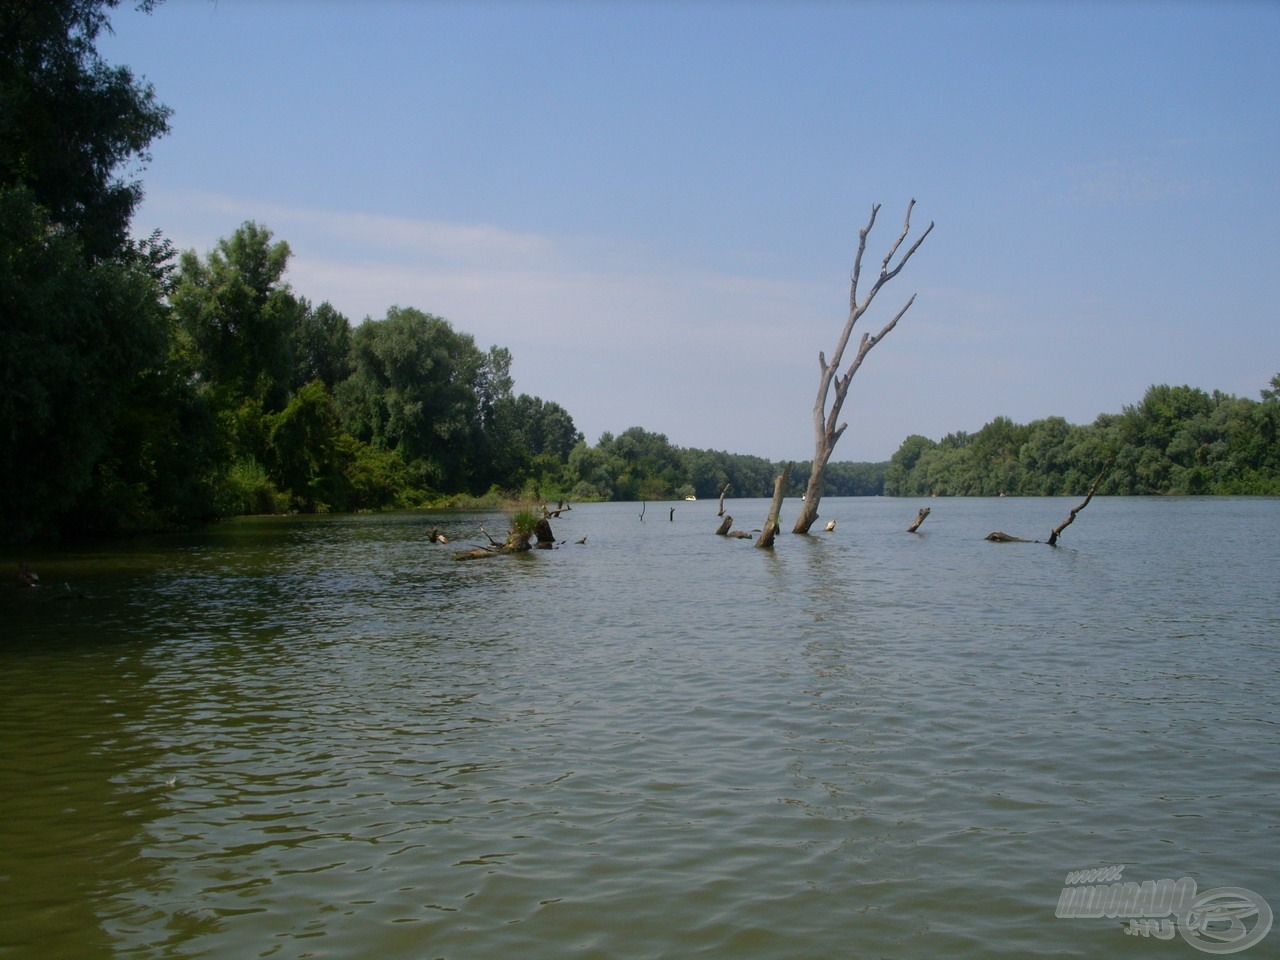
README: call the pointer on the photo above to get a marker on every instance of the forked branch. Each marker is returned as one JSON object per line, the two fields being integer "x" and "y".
{"x": 827, "y": 427}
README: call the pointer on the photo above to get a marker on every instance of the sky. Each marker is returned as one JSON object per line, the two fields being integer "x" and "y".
{"x": 655, "y": 206}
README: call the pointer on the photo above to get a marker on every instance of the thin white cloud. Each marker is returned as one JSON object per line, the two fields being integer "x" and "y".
{"x": 622, "y": 337}
{"x": 1117, "y": 182}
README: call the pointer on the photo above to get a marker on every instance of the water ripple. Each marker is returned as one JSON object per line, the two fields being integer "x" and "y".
{"x": 327, "y": 738}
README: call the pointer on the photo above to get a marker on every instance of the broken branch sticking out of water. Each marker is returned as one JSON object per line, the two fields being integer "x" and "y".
{"x": 1053, "y": 537}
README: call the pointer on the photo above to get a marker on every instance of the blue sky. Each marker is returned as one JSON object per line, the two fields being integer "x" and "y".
{"x": 656, "y": 205}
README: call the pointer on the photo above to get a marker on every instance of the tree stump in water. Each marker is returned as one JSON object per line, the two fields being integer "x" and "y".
{"x": 924, "y": 512}
{"x": 775, "y": 508}
{"x": 517, "y": 542}
{"x": 723, "y": 529}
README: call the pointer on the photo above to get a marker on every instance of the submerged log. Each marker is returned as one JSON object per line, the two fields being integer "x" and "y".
{"x": 920, "y": 518}
{"x": 723, "y": 529}
{"x": 831, "y": 525}
{"x": 999, "y": 537}
{"x": 476, "y": 553}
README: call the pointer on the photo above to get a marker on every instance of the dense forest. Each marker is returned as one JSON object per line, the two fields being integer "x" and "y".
{"x": 142, "y": 389}
{"x": 1177, "y": 440}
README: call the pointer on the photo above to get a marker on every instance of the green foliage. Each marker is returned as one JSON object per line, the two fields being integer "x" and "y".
{"x": 70, "y": 122}
{"x": 76, "y": 333}
{"x": 419, "y": 388}
{"x": 522, "y": 522}
{"x": 374, "y": 478}
{"x": 302, "y": 439}
{"x": 164, "y": 453}
{"x": 844, "y": 479}
{"x": 81, "y": 317}
{"x": 247, "y": 489}
{"x": 321, "y": 347}
{"x": 239, "y": 319}
{"x": 1177, "y": 440}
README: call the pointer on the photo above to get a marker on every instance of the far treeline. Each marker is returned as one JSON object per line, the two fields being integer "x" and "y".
{"x": 1177, "y": 440}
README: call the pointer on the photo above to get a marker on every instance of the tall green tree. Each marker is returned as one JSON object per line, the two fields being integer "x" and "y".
{"x": 321, "y": 346}
{"x": 72, "y": 124}
{"x": 239, "y": 318}
{"x": 417, "y": 387}
{"x": 79, "y": 303}
{"x": 303, "y": 445}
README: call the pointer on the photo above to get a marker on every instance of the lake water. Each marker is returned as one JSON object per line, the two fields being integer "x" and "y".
{"x": 324, "y": 737}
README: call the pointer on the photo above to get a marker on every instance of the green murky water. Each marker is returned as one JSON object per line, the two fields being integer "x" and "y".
{"x": 325, "y": 738}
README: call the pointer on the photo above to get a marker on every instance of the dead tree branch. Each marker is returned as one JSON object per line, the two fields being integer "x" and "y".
{"x": 827, "y": 426}
{"x": 1053, "y": 536}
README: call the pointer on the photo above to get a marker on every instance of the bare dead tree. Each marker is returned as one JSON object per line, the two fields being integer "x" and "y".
{"x": 827, "y": 426}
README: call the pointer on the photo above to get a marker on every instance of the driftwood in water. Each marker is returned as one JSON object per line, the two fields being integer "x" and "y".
{"x": 722, "y": 493}
{"x": 435, "y": 536}
{"x": 920, "y": 518}
{"x": 672, "y": 518}
{"x": 1000, "y": 537}
{"x": 831, "y": 525}
{"x": 724, "y": 531}
{"x": 517, "y": 542}
{"x": 643, "y": 504}
{"x": 775, "y": 508}
{"x": 561, "y": 507}
{"x": 1053, "y": 537}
